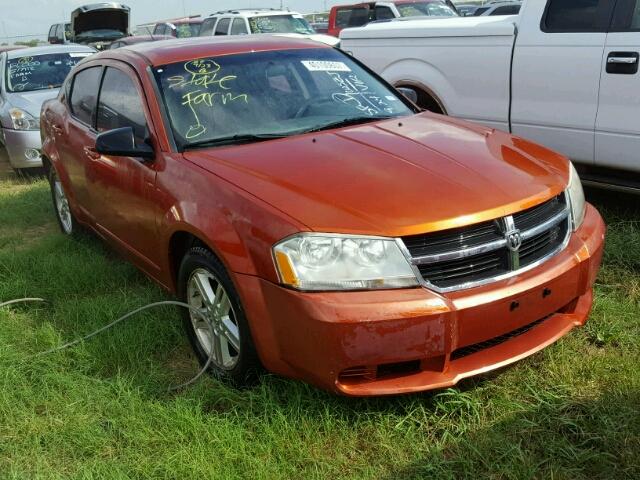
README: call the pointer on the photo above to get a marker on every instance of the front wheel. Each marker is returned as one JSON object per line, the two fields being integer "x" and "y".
{"x": 224, "y": 336}
{"x": 66, "y": 220}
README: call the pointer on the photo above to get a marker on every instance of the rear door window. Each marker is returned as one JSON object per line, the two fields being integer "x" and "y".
{"x": 353, "y": 17}
{"x": 238, "y": 27}
{"x": 84, "y": 94}
{"x": 207, "y": 27}
{"x": 120, "y": 105}
{"x": 223, "y": 26}
{"x": 567, "y": 16}
{"x": 507, "y": 10}
{"x": 384, "y": 13}
{"x": 627, "y": 16}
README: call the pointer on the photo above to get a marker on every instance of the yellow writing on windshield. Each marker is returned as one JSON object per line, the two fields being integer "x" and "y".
{"x": 206, "y": 86}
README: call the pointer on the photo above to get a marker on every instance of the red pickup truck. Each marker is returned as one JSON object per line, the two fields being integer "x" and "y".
{"x": 357, "y": 15}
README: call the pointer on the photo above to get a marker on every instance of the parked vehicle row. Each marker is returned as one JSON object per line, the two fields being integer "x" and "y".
{"x": 329, "y": 231}
{"x": 262, "y": 21}
{"x": 562, "y": 73}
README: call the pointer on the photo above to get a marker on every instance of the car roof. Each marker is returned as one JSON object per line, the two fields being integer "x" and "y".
{"x": 253, "y": 12}
{"x": 133, "y": 39}
{"x": 395, "y": 2}
{"x": 177, "y": 50}
{"x": 48, "y": 49}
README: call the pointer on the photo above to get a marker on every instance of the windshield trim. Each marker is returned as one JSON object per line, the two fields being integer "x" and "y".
{"x": 167, "y": 124}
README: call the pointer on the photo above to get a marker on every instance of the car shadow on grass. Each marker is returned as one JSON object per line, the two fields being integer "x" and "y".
{"x": 549, "y": 435}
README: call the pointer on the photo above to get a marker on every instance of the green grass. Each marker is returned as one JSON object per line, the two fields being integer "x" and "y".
{"x": 102, "y": 410}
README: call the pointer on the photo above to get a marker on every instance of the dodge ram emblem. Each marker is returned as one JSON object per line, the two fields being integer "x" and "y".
{"x": 514, "y": 240}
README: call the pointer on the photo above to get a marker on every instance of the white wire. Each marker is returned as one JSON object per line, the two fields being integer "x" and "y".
{"x": 22, "y": 300}
{"x": 121, "y": 319}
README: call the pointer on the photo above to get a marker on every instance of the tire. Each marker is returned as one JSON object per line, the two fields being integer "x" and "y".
{"x": 66, "y": 220}
{"x": 234, "y": 357}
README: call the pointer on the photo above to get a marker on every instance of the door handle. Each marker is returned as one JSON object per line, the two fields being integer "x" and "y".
{"x": 622, "y": 60}
{"x": 622, "y": 63}
{"x": 92, "y": 153}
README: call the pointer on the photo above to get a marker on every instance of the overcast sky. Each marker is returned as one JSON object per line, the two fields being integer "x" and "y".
{"x": 34, "y": 17}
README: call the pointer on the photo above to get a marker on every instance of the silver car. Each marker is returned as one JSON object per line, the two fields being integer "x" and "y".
{"x": 29, "y": 77}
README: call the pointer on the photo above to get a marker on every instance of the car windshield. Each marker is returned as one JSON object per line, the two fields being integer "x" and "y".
{"x": 418, "y": 9}
{"x": 103, "y": 34}
{"x": 187, "y": 30}
{"x": 40, "y": 72}
{"x": 280, "y": 24}
{"x": 235, "y": 98}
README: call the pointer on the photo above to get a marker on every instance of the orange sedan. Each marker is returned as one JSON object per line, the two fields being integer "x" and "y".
{"x": 328, "y": 230}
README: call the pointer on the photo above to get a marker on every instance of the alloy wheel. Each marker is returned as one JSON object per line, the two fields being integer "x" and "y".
{"x": 62, "y": 206}
{"x": 206, "y": 294}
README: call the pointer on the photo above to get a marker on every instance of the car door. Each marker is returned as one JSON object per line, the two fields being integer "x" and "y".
{"x": 618, "y": 122}
{"x": 122, "y": 188}
{"x": 556, "y": 74}
{"x": 76, "y": 127}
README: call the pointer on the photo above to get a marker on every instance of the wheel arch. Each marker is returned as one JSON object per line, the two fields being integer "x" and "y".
{"x": 424, "y": 77}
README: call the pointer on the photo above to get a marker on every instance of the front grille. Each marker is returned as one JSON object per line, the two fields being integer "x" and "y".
{"x": 492, "y": 342}
{"x": 468, "y": 256}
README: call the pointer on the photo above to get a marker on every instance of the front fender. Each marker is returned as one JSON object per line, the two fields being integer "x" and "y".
{"x": 236, "y": 226}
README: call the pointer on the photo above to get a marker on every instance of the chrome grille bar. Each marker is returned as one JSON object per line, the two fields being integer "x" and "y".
{"x": 520, "y": 250}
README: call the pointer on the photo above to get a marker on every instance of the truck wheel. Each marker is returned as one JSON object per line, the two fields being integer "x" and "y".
{"x": 66, "y": 220}
{"x": 205, "y": 285}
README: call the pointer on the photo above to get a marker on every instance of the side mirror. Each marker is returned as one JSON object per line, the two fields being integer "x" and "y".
{"x": 409, "y": 93}
{"x": 121, "y": 142}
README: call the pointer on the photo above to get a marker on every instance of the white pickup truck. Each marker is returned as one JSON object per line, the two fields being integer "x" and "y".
{"x": 563, "y": 73}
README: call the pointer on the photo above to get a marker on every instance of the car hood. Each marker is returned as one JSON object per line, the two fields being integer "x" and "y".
{"x": 106, "y": 16}
{"x": 31, "y": 102}
{"x": 317, "y": 37}
{"x": 395, "y": 177}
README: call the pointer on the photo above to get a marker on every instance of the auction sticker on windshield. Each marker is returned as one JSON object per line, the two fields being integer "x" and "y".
{"x": 324, "y": 66}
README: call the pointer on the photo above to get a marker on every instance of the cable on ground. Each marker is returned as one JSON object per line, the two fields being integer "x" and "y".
{"x": 121, "y": 319}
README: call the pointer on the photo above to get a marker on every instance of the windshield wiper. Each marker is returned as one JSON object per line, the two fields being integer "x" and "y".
{"x": 235, "y": 139}
{"x": 345, "y": 122}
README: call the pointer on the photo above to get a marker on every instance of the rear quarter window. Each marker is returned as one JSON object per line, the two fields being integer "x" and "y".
{"x": 575, "y": 16}
{"x": 84, "y": 94}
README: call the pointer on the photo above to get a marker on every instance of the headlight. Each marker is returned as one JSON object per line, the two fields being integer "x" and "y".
{"x": 23, "y": 121}
{"x": 336, "y": 262}
{"x": 576, "y": 198}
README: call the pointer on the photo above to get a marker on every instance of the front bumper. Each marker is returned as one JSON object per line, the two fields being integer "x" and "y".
{"x": 401, "y": 341}
{"x": 18, "y": 144}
